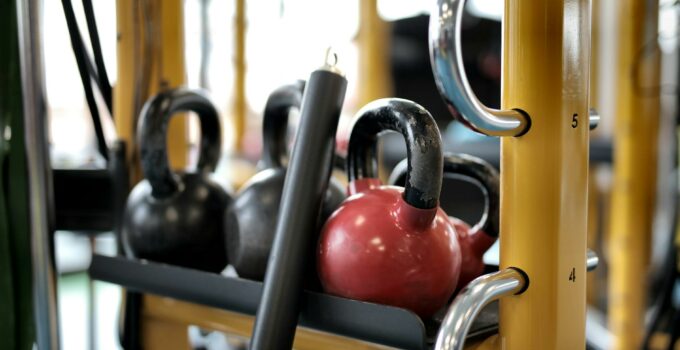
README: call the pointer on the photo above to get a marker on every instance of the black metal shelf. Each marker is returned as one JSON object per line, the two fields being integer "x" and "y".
{"x": 370, "y": 322}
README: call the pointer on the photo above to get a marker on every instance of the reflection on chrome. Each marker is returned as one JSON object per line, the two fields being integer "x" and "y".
{"x": 447, "y": 65}
{"x": 592, "y": 260}
{"x": 471, "y": 300}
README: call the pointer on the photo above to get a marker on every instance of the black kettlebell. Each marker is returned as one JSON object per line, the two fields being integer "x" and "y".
{"x": 251, "y": 218}
{"x": 177, "y": 218}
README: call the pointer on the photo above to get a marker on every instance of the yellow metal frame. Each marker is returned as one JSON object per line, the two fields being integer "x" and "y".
{"x": 169, "y": 71}
{"x": 594, "y": 194}
{"x": 165, "y": 322}
{"x": 634, "y": 187}
{"x": 165, "y": 21}
{"x": 124, "y": 90}
{"x": 239, "y": 107}
{"x": 373, "y": 45}
{"x": 544, "y": 177}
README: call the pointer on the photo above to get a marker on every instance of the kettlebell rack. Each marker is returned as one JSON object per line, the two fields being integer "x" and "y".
{"x": 538, "y": 122}
{"x": 369, "y": 322}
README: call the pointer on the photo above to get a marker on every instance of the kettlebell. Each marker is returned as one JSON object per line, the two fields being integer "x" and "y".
{"x": 177, "y": 218}
{"x": 388, "y": 244}
{"x": 475, "y": 241}
{"x": 251, "y": 218}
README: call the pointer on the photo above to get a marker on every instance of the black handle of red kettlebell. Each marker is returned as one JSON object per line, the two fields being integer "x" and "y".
{"x": 423, "y": 147}
{"x": 275, "y": 122}
{"x": 472, "y": 169}
{"x": 152, "y": 131}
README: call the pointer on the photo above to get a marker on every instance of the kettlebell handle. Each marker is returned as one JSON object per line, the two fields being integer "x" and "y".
{"x": 275, "y": 122}
{"x": 152, "y": 131}
{"x": 423, "y": 147}
{"x": 474, "y": 170}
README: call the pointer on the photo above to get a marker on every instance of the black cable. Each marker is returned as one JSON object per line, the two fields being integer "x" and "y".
{"x": 81, "y": 57}
{"x": 90, "y": 66}
{"x": 103, "y": 81}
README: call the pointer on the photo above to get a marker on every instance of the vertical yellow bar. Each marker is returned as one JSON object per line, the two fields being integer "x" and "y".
{"x": 124, "y": 90}
{"x": 134, "y": 21}
{"x": 164, "y": 21}
{"x": 544, "y": 174}
{"x": 239, "y": 100}
{"x": 171, "y": 72}
{"x": 634, "y": 185}
{"x": 593, "y": 191}
{"x": 373, "y": 45}
{"x": 594, "y": 196}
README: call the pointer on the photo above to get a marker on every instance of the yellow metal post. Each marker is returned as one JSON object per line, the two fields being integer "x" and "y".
{"x": 239, "y": 109}
{"x": 594, "y": 196}
{"x": 169, "y": 70}
{"x": 124, "y": 90}
{"x": 150, "y": 58}
{"x": 593, "y": 190}
{"x": 634, "y": 187}
{"x": 149, "y": 32}
{"x": 373, "y": 44}
{"x": 544, "y": 173}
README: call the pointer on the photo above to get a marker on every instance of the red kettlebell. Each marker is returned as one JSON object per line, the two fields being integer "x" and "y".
{"x": 475, "y": 241}
{"x": 388, "y": 244}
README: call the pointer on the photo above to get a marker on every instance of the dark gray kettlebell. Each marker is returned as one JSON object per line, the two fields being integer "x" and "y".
{"x": 250, "y": 221}
{"x": 177, "y": 218}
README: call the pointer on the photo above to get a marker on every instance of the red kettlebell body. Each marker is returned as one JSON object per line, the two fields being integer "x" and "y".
{"x": 473, "y": 245}
{"x": 386, "y": 244}
{"x": 379, "y": 248}
{"x": 474, "y": 241}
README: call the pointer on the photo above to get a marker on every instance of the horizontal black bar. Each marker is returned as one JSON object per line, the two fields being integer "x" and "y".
{"x": 365, "y": 321}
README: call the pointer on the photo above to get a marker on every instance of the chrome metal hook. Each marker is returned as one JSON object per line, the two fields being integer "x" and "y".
{"x": 472, "y": 299}
{"x": 447, "y": 65}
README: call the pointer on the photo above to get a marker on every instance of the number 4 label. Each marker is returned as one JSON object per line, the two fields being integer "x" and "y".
{"x": 572, "y": 275}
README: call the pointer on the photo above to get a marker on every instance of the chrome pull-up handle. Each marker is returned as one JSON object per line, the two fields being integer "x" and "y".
{"x": 479, "y": 293}
{"x": 472, "y": 299}
{"x": 449, "y": 74}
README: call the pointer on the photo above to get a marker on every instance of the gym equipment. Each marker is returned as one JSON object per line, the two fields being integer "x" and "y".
{"x": 447, "y": 61}
{"x": 383, "y": 245}
{"x": 42, "y": 286}
{"x": 304, "y": 190}
{"x": 16, "y": 278}
{"x": 150, "y": 52}
{"x": 229, "y": 304}
{"x": 475, "y": 241}
{"x": 239, "y": 107}
{"x": 544, "y": 166}
{"x": 373, "y": 46}
{"x": 254, "y": 211}
{"x": 633, "y": 193}
{"x": 468, "y": 304}
{"x": 177, "y": 218}
{"x": 7, "y": 294}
